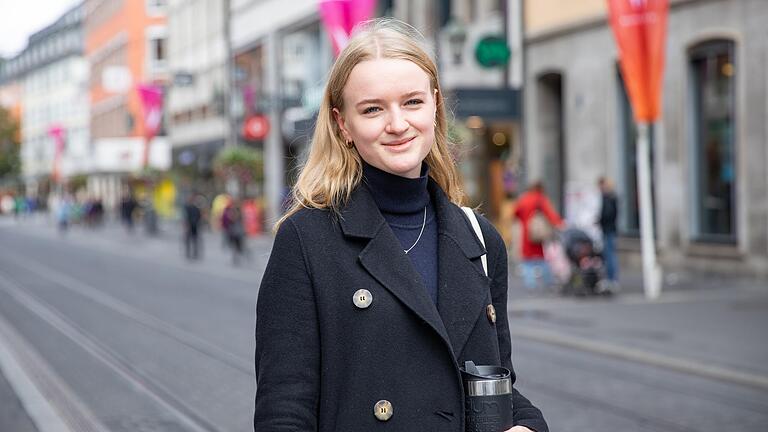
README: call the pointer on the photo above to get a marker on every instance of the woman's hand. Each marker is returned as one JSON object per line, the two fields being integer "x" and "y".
{"x": 519, "y": 429}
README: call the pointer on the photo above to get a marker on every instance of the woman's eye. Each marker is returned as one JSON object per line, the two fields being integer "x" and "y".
{"x": 414, "y": 102}
{"x": 370, "y": 110}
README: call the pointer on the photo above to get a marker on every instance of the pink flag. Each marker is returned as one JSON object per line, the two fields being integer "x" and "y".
{"x": 151, "y": 96}
{"x": 341, "y": 16}
{"x": 359, "y": 11}
{"x": 56, "y": 132}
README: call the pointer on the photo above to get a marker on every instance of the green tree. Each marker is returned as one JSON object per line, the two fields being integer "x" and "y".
{"x": 10, "y": 161}
{"x": 240, "y": 163}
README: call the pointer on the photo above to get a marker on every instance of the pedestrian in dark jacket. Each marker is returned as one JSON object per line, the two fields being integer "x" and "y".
{"x": 127, "y": 208}
{"x": 232, "y": 224}
{"x": 609, "y": 211}
{"x": 192, "y": 219}
{"x": 375, "y": 291}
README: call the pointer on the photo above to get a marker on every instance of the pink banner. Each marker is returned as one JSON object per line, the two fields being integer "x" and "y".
{"x": 56, "y": 132}
{"x": 151, "y": 96}
{"x": 341, "y": 16}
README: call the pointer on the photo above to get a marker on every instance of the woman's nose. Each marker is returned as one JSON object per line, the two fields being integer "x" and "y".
{"x": 397, "y": 122}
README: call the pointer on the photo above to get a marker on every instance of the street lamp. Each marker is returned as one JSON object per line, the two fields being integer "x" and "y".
{"x": 457, "y": 37}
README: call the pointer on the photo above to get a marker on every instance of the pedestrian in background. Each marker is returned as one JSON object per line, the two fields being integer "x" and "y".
{"x": 232, "y": 224}
{"x": 218, "y": 205}
{"x": 192, "y": 219}
{"x": 609, "y": 211}
{"x": 128, "y": 206}
{"x": 65, "y": 212}
{"x": 536, "y": 214}
{"x": 375, "y": 291}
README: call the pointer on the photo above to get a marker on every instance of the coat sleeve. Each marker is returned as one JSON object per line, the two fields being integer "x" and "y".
{"x": 550, "y": 213}
{"x": 525, "y": 413}
{"x": 287, "y": 340}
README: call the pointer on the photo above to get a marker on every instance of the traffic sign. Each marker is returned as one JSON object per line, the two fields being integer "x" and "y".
{"x": 256, "y": 127}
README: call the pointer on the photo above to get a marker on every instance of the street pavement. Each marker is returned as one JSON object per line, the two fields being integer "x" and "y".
{"x": 694, "y": 360}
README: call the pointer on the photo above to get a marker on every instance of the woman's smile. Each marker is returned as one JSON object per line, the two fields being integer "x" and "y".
{"x": 399, "y": 145}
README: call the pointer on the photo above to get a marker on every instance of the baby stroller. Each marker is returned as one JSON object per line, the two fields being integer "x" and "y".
{"x": 586, "y": 264}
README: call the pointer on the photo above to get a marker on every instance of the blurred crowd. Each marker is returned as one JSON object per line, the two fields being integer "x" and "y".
{"x": 235, "y": 219}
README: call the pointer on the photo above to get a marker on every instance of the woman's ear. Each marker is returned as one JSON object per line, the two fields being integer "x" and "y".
{"x": 340, "y": 122}
{"x": 435, "y": 100}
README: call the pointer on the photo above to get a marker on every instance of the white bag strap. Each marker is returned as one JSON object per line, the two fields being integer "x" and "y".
{"x": 478, "y": 233}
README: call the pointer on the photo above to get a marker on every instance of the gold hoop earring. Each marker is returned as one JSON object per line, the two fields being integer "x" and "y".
{"x": 349, "y": 143}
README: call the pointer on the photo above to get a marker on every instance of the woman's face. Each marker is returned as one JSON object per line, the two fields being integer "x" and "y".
{"x": 389, "y": 113}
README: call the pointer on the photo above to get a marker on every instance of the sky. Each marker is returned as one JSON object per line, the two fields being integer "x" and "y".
{"x": 20, "y": 18}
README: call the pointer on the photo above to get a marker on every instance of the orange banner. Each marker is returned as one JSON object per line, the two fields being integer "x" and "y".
{"x": 640, "y": 28}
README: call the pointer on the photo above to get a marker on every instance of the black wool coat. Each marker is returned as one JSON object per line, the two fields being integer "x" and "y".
{"x": 322, "y": 363}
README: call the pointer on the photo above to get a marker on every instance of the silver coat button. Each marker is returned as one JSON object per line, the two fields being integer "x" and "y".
{"x": 362, "y": 298}
{"x": 383, "y": 410}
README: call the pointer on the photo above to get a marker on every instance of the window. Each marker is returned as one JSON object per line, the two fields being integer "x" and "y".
{"x": 157, "y": 49}
{"x": 155, "y": 7}
{"x": 713, "y": 74}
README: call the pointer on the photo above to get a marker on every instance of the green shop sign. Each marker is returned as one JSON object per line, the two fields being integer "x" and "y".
{"x": 492, "y": 51}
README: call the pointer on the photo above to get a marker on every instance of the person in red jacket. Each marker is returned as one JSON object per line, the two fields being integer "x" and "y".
{"x": 535, "y": 269}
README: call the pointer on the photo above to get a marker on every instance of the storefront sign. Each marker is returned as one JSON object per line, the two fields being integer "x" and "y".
{"x": 487, "y": 103}
{"x": 113, "y": 155}
{"x": 492, "y": 51}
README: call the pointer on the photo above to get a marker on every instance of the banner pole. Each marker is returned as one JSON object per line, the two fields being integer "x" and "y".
{"x": 651, "y": 271}
{"x": 145, "y": 153}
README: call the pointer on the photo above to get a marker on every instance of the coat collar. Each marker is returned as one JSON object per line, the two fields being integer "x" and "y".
{"x": 462, "y": 285}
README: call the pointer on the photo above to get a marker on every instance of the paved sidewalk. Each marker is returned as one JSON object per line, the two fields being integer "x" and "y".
{"x": 702, "y": 324}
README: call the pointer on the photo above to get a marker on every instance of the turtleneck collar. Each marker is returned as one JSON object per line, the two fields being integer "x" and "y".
{"x": 396, "y": 194}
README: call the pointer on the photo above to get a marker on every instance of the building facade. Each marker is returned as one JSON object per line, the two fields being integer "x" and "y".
{"x": 709, "y": 148}
{"x": 125, "y": 45}
{"x": 49, "y": 78}
{"x": 281, "y": 66}
{"x": 483, "y": 93}
{"x": 196, "y": 114}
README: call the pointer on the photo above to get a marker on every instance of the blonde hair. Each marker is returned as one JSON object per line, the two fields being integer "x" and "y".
{"x": 332, "y": 169}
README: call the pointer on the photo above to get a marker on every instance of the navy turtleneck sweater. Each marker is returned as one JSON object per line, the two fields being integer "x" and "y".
{"x": 402, "y": 202}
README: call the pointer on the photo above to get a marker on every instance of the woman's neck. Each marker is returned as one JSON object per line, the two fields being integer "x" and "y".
{"x": 396, "y": 194}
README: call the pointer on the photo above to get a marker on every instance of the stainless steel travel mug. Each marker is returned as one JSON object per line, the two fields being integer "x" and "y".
{"x": 488, "y": 398}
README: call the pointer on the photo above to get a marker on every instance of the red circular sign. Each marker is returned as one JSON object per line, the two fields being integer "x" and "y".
{"x": 256, "y": 127}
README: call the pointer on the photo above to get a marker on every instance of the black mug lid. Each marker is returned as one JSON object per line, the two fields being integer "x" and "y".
{"x": 472, "y": 372}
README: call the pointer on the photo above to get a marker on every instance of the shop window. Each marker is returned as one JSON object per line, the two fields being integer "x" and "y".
{"x": 629, "y": 202}
{"x": 712, "y": 78}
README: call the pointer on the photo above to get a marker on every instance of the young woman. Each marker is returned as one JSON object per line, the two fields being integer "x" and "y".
{"x": 375, "y": 291}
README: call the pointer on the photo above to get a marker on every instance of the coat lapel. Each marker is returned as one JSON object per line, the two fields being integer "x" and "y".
{"x": 384, "y": 259}
{"x": 463, "y": 287}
